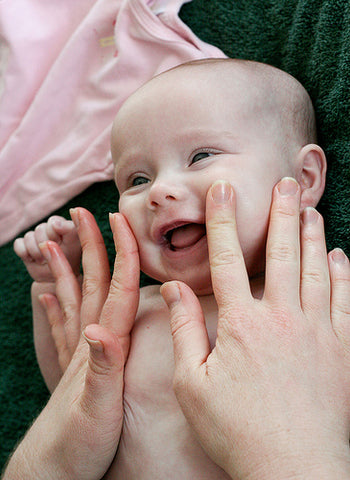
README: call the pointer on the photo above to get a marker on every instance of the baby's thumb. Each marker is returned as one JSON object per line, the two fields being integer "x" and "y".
{"x": 190, "y": 337}
{"x": 104, "y": 380}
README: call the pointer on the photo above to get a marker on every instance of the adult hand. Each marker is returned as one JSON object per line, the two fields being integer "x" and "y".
{"x": 272, "y": 399}
{"x": 77, "y": 433}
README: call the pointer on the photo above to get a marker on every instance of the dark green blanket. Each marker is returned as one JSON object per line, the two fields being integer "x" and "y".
{"x": 309, "y": 39}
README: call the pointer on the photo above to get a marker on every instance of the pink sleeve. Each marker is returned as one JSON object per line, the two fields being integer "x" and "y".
{"x": 67, "y": 68}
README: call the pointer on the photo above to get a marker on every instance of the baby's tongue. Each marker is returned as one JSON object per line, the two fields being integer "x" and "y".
{"x": 187, "y": 235}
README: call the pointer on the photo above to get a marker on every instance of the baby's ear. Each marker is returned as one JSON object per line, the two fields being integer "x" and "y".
{"x": 312, "y": 174}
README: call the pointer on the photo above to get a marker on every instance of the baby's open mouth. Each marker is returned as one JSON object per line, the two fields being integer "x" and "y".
{"x": 185, "y": 236}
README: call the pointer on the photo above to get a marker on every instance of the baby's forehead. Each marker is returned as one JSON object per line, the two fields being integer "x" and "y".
{"x": 248, "y": 90}
{"x": 196, "y": 88}
{"x": 218, "y": 80}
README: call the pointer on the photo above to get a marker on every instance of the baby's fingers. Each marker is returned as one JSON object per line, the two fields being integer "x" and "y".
{"x": 27, "y": 248}
{"x": 339, "y": 268}
{"x": 59, "y": 226}
{"x": 21, "y": 250}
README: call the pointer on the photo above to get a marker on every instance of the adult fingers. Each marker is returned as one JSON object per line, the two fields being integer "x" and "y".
{"x": 339, "y": 267}
{"x": 56, "y": 319}
{"x": 315, "y": 283}
{"x": 68, "y": 291}
{"x": 120, "y": 308}
{"x": 282, "y": 250}
{"x": 189, "y": 333}
{"x": 104, "y": 380}
{"x": 228, "y": 271}
{"x": 95, "y": 266}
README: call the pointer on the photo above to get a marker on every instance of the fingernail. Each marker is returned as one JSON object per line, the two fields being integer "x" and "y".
{"x": 221, "y": 192}
{"x": 45, "y": 251}
{"x": 288, "y": 186}
{"x": 57, "y": 223}
{"x": 338, "y": 256}
{"x": 74, "y": 216}
{"x": 110, "y": 217}
{"x": 171, "y": 293}
{"x": 96, "y": 345}
{"x": 310, "y": 216}
{"x": 42, "y": 300}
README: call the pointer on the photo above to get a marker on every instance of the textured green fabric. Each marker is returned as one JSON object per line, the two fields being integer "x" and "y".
{"x": 309, "y": 39}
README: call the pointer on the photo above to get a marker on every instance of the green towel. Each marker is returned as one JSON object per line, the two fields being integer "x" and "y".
{"x": 310, "y": 39}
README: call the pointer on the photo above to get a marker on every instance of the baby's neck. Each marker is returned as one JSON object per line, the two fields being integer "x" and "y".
{"x": 256, "y": 286}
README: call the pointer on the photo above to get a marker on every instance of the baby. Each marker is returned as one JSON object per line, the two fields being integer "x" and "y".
{"x": 241, "y": 121}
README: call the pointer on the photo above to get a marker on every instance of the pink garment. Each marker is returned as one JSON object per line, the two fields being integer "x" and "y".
{"x": 65, "y": 69}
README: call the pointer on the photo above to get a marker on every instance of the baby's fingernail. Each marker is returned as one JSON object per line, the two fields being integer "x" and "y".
{"x": 288, "y": 186}
{"x": 310, "y": 216}
{"x": 57, "y": 223}
{"x": 221, "y": 192}
{"x": 338, "y": 256}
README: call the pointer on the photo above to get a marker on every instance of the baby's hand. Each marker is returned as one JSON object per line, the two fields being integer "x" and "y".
{"x": 57, "y": 229}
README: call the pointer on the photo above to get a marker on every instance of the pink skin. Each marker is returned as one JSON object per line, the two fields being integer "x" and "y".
{"x": 165, "y": 166}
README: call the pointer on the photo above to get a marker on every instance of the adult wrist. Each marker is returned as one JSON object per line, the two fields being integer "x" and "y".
{"x": 28, "y": 462}
{"x": 38, "y": 456}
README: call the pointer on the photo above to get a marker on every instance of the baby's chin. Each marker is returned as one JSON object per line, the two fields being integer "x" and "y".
{"x": 199, "y": 283}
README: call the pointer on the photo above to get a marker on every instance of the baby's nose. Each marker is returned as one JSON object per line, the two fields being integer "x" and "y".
{"x": 161, "y": 193}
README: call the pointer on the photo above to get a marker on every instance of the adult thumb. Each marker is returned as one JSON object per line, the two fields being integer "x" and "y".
{"x": 104, "y": 379}
{"x": 189, "y": 333}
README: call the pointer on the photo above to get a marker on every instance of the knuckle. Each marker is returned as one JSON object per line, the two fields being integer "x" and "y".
{"x": 283, "y": 252}
{"x": 224, "y": 258}
{"x": 70, "y": 311}
{"x": 119, "y": 289}
{"x": 181, "y": 327}
{"x": 315, "y": 276}
{"x": 222, "y": 220}
{"x": 342, "y": 309}
{"x": 342, "y": 280}
{"x": 286, "y": 209}
{"x": 90, "y": 287}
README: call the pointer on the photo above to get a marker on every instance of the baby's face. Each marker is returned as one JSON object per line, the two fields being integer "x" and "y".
{"x": 170, "y": 144}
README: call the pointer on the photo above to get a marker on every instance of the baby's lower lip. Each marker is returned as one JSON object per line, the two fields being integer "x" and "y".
{"x": 184, "y": 236}
{"x": 188, "y": 249}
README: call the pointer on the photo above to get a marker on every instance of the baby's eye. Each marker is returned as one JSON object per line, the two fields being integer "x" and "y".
{"x": 139, "y": 181}
{"x": 199, "y": 156}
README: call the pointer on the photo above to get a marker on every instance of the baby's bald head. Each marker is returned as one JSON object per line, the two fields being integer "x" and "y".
{"x": 268, "y": 91}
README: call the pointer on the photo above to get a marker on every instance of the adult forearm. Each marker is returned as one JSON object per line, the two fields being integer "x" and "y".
{"x": 29, "y": 461}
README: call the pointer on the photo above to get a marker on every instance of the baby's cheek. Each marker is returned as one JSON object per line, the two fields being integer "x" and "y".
{"x": 252, "y": 233}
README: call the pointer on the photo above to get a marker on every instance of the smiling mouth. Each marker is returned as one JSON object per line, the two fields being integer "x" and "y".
{"x": 185, "y": 236}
